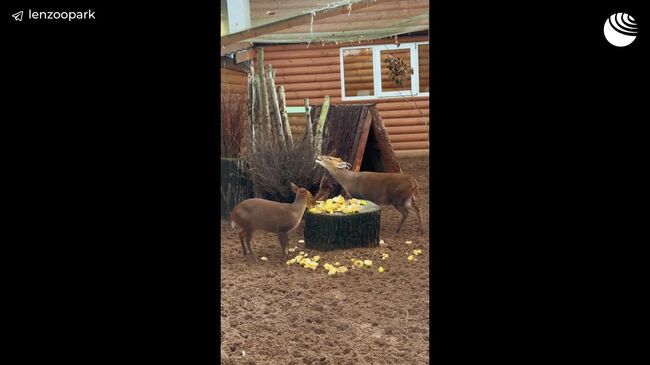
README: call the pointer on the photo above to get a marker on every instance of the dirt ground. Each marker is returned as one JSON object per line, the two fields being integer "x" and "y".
{"x": 272, "y": 313}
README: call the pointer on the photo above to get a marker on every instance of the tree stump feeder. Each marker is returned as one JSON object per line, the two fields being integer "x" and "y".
{"x": 235, "y": 184}
{"x": 326, "y": 232}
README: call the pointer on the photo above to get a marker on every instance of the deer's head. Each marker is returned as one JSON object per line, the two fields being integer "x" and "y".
{"x": 303, "y": 194}
{"x": 332, "y": 163}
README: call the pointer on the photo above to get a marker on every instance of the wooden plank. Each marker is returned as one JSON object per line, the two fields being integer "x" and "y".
{"x": 299, "y": 5}
{"x": 411, "y": 137}
{"x": 408, "y": 129}
{"x": 302, "y": 62}
{"x": 355, "y": 25}
{"x": 312, "y": 52}
{"x": 230, "y": 64}
{"x": 402, "y": 105}
{"x": 310, "y": 86}
{"x": 232, "y": 48}
{"x": 315, "y": 70}
{"x": 246, "y": 55}
{"x": 338, "y": 100}
{"x": 404, "y": 113}
{"x": 313, "y": 94}
{"x": 293, "y": 21}
{"x": 384, "y": 15}
{"x": 411, "y": 153}
{"x": 233, "y": 79}
{"x": 303, "y": 46}
{"x": 294, "y": 79}
{"x": 405, "y": 121}
{"x": 400, "y": 146}
{"x": 333, "y": 37}
{"x": 365, "y": 129}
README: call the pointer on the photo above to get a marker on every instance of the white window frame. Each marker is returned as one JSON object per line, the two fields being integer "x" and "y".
{"x": 376, "y": 71}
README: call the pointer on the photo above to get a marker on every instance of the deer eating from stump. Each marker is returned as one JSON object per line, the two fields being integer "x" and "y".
{"x": 398, "y": 190}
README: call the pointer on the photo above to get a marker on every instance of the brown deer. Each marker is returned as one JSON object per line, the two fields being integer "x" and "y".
{"x": 265, "y": 215}
{"x": 398, "y": 190}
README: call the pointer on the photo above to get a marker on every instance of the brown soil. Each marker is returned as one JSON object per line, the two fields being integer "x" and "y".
{"x": 279, "y": 314}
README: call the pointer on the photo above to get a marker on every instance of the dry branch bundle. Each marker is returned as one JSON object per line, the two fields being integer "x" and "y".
{"x": 234, "y": 117}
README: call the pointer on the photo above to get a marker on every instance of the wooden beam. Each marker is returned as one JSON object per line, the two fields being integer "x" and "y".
{"x": 232, "y": 48}
{"x": 231, "y": 65}
{"x": 245, "y": 55}
{"x": 331, "y": 37}
{"x": 294, "y": 21}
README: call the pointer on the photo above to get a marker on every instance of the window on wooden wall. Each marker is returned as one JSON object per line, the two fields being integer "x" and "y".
{"x": 365, "y": 75}
{"x": 423, "y": 66}
{"x": 357, "y": 68}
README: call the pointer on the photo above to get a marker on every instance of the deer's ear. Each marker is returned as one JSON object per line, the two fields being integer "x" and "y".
{"x": 294, "y": 188}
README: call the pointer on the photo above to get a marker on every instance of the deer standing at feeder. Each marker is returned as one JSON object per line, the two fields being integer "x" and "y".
{"x": 265, "y": 215}
{"x": 398, "y": 190}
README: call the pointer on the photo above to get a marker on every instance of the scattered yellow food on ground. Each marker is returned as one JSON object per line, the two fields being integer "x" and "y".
{"x": 316, "y": 258}
{"x": 381, "y": 269}
{"x": 411, "y": 258}
{"x": 331, "y": 272}
{"x": 417, "y": 252}
{"x": 358, "y": 263}
{"x": 291, "y": 262}
{"x": 384, "y": 256}
{"x": 263, "y": 258}
{"x": 367, "y": 262}
{"x": 342, "y": 269}
{"x": 337, "y": 264}
{"x": 408, "y": 242}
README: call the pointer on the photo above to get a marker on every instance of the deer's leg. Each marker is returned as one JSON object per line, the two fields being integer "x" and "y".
{"x": 249, "y": 236}
{"x": 241, "y": 239}
{"x": 415, "y": 207}
{"x": 405, "y": 213}
{"x": 284, "y": 241}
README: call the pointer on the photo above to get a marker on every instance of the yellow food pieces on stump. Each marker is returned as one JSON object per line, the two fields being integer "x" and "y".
{"x": 338, "y": 205}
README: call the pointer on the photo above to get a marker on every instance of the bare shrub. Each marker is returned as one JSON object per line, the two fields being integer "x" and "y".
{"x": 272, "y": 168}
{"x": 234, "y": 119}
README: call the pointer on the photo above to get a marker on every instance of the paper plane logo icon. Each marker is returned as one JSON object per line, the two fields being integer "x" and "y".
{"x": 18, "y": 16}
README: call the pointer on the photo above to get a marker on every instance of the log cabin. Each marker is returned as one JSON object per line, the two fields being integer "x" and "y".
{"x": 337, "y": 49}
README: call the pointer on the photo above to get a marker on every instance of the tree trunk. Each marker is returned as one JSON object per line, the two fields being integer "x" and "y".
{"x": 276, "y": 118}
{"x": 235, "y": 184}
{"x": 262, "y": 92}
{"x": 318, "y": 136}
{"x": 326, "y": 232}
{"x": 285, "y": 117}
{"x": 309, "y": 134}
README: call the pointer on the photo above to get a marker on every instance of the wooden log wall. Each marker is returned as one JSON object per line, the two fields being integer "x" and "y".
{"x": 315, "y": 72}
{"x": 236, "y": 81}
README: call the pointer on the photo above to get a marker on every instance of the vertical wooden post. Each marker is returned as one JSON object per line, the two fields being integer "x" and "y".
{"x": 285, "y": 117}
{"x": 318, "y": 136}
{"x": 275, "y": 108}
{"x": 309, "y": 134}
{"x": 262, "y": 92}
{"x": 251, "y": 109}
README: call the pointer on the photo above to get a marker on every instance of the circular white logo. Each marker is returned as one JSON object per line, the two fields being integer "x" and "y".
{"x": 620, "y": 29}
